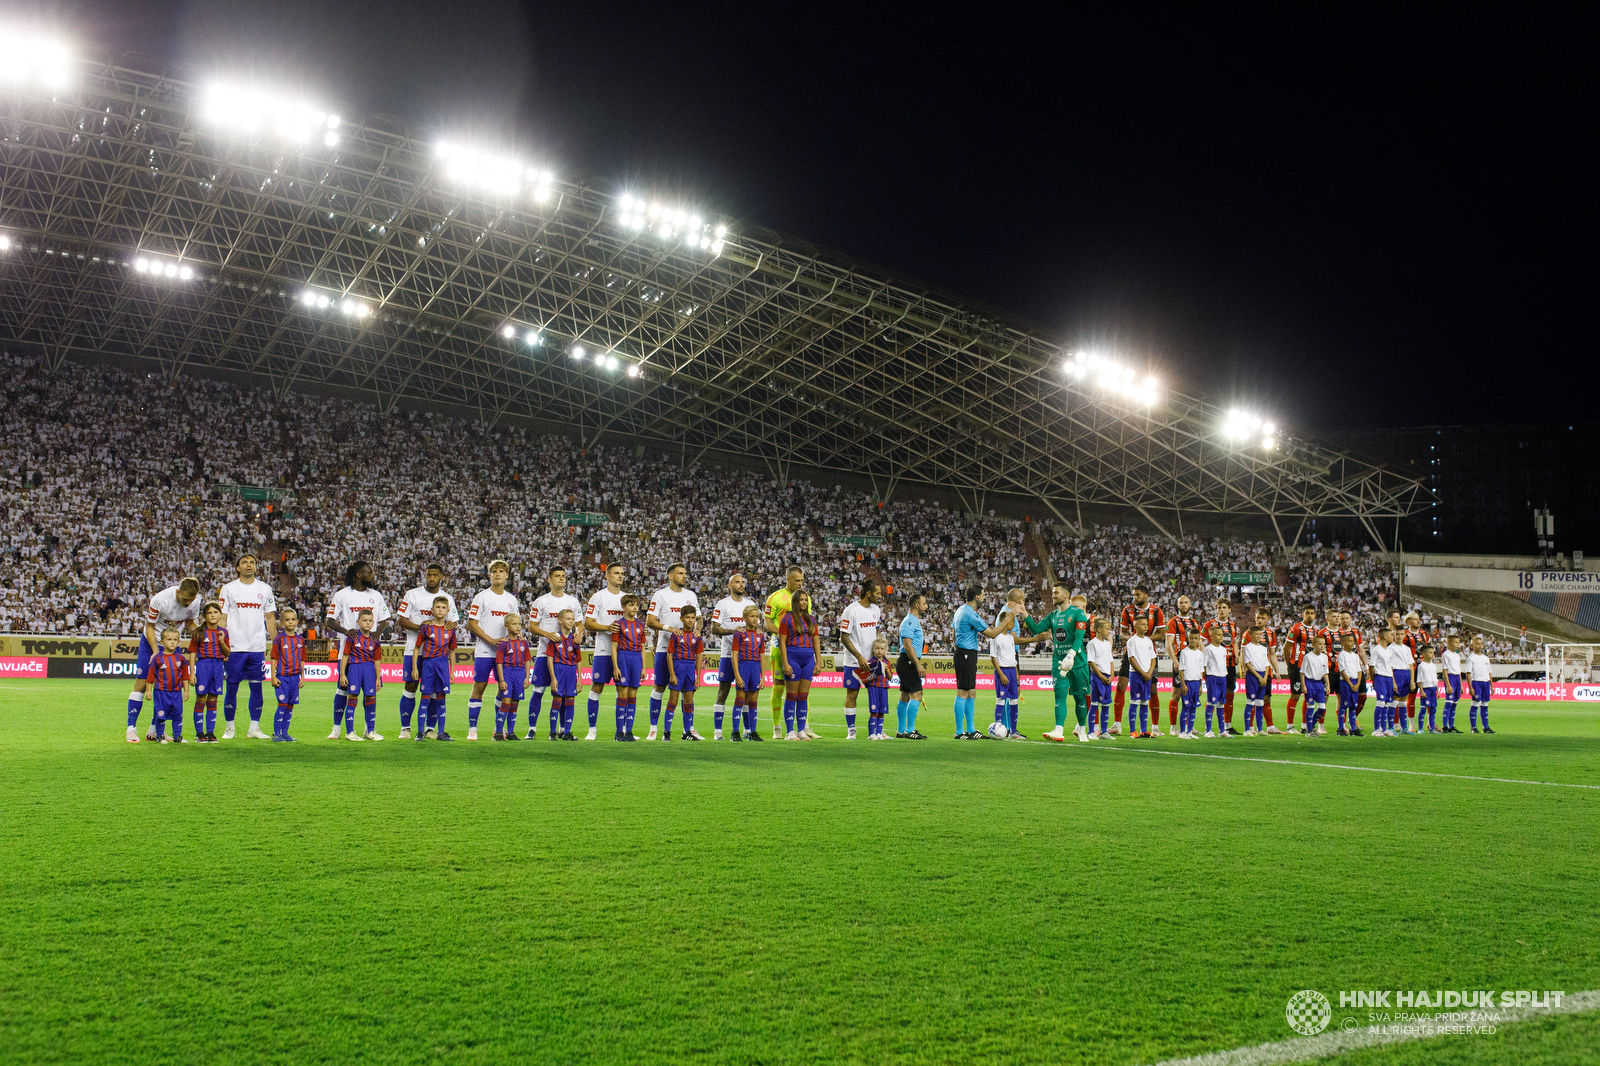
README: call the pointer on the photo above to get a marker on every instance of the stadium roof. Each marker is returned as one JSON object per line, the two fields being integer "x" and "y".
{"x": 227, "y": 232}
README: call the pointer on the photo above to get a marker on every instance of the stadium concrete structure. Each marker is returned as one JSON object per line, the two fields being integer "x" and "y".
{"x": 227, "y": 232}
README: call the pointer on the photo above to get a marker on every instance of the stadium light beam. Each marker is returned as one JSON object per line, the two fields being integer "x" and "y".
{"x": 499, "y": 174}
{"x": 159, "y": 267}
{"x": 31, "y": 58}
{"x": 253, "y": 110}
{"x": 1244, "y": 426}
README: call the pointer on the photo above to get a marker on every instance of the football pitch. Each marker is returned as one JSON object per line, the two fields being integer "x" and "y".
{"x": 934, "y": 901}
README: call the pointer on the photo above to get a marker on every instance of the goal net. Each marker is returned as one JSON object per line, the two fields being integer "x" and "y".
{"x": 1569, "y": 664}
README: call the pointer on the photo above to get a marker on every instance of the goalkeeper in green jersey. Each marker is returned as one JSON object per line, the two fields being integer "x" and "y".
{"x": 1068, "y": 626}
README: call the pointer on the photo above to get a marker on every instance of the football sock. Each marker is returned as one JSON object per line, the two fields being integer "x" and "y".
{"x": 788, "y": 716}
{"x": 440, "y": 706}
{"x": 622, "y": 714}
{"x": 667, "y": 713}
{"x": 500, "y": 717}
{"x": 408, "y": 703}
{"x": 850, "y": 717}
{"x": 282, "y": 723}
{"x": 1077, "y": 707}
{"x": 569, "y": 710}
{"x": 370, "y": 706}
{"x": 199, "y": 720}
{"x": 135, "y": 705}
{"x": 1144, "y": 717}
{"x": 161, "y": 725}
{"x": 511, "y": 715}
{"x": 338, "y": 706}
{"x": 655, "y": 705}
{"x": 255, "y": 702}
{"x": 801, "y": 705}
{"x": 211, "y": 713}
{"x": 535, "y": 706}
{"x": 1288, "y": 712}
{"x": 688, "y": 715}
{"x": 474, "y": 708}
{"x": 230, "y": 700}
{"x": 1483, "y": 712}
{"x": 900, "y": 716}
{"x": 1265, "y": 710}
{"x": 594, "y": 708}
{"x": 717, "y": 711}
{"x": 912, "y": 707}
{"x": 1012, "y": 710}
{"x": 1122, "y": 699}
{"x": 1000, "y": 713}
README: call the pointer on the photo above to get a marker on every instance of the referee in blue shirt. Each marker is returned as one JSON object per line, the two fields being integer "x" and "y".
{"x": 908, "y": 668}
{"x": 971, "y": 635}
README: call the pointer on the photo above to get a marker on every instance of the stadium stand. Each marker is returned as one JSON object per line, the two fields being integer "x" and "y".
{"x": 114, "y": 484}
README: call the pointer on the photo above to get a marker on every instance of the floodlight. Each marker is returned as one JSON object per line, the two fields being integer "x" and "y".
{"x": 31, "y": 57}
{"x": 510, "y": 331}
{"x": 185, "y": 273}
{"x": 141, "y": 265}
{"x": 577, "y": 351}
{"x": 534, "y": 338}
{"x": 694, "y": 222}
{"x": 323, "y": 301}
{"x": 716, "y": 247}
{"x": 5, "y": 243}
{"x": 331, "y": 139}
{"x": 633, "y": 371}
{"x": 655, "y": 211}
{"x": 171, "y": 270}
{"x": 542, "y": 193}
{"x": 333, "y": 122}
{"x": 1268, "y": 443}
{"x": 722, "y": 231}
{"x": 1266, "y": 427}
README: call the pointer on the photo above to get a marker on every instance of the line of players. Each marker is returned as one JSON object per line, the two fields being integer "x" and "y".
{"x": 243, "y": 638}
{"x": 230, "y": 648}
{"x": 1327, "y": 664}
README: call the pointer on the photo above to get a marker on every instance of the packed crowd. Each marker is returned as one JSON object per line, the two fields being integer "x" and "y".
{"x": 114, "y": 484}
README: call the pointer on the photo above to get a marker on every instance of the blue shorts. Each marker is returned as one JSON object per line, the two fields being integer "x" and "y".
{"x": 1254, "y": 689}
{"x": 407, "y": 665}
{"x": 209, "y": 675}
{"x": 246, "y": 666}
{"x": 1138, "y": 687}
{"x": 361, "y": 678}
{"x": 630, "y": 668}
{"x": 288, "y": 689}
{"x": 803, "y": 661}
{"x": 1452, "y": 686}
{"x": 1191, "y": 693}
{"x": 1216, "y": 688}
{"x": 852, "y": 682}
{"x": 660, "y": 677}
{"x": 435, "y": 675}
{"x": 565, "y": 681}
{"x": 1099, "y": 691}
{"x": 515, "y": 679}
{"x": 600, "y": 672}
{"x": 1348, "y": 696}
{"x": 1316, "y": 692}
{"x": 877, "y": 700}
{"x": 1430, "y": 699}
{"x": 1005, "y": 683}
{"x": 726, "y": 674}
{"x": 686, "y": 670}
{"x": 1481, "y": 691}
{"x": 145, "y": 652}
{"x": 169, "y": 705}
{"x": 1402, "y": 683}
{"x": 1383, "y": 687}
{"x": 484, "y": 668}
{"x": 750, "y": 675}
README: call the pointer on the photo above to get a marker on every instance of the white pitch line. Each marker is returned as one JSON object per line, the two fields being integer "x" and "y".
{"x": 1347, "y": 766}
{"x": 1335, "y": 1041}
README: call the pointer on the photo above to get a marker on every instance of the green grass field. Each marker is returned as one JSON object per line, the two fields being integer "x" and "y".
{"x": 831, "y": 901}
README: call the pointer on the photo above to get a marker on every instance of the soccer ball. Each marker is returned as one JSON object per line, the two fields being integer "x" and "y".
{"x": 998, "y": 730}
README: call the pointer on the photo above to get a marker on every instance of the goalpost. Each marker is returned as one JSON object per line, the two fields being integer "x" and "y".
{"x": 1569, "y": 664}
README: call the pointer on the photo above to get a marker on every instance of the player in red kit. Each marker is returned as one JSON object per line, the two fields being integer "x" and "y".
{"x": 1179, "y": 626}
{"x": 1227, "y": 631}
{"x": 1295, "y": 647}
{"x": 1155, "y": 622}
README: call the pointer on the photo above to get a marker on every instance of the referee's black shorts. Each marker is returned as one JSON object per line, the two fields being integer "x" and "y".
{"x": 906, "y": 671}
{"x": 966, "y": 668}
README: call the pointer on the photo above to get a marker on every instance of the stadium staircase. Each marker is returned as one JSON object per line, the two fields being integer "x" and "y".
{"x": 1034, "y": 548}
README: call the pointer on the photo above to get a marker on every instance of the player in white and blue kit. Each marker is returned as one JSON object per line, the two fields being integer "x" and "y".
{"x": 416, "y": 610}
{"x": 1482, "y": 685}
{"x": 177, "y": 606}
{"x": 600, "y": 617}
{"x": 252, "y": 613}
{"x": 486, "y": 621}
{"x": 546, "y": 618}
{"x": 858, "y": 629}
{"x": 664, "y": 618}
{"x": 727, "y": 622}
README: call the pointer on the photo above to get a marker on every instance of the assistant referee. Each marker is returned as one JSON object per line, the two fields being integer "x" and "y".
{"x": 970, "y": 635}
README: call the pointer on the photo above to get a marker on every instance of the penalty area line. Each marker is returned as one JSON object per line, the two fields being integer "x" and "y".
{"x": 1337, "y": 1041}
{"x": 1346, "y": 766}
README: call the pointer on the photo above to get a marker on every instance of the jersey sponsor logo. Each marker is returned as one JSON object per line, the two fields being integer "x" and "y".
{"x": 254, "y": 605}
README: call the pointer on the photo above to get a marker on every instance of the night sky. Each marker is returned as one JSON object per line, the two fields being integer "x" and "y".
{"x": 1346, "y": 220}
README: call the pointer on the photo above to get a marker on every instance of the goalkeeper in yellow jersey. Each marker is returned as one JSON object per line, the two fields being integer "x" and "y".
{"x": 777, "y": 607}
